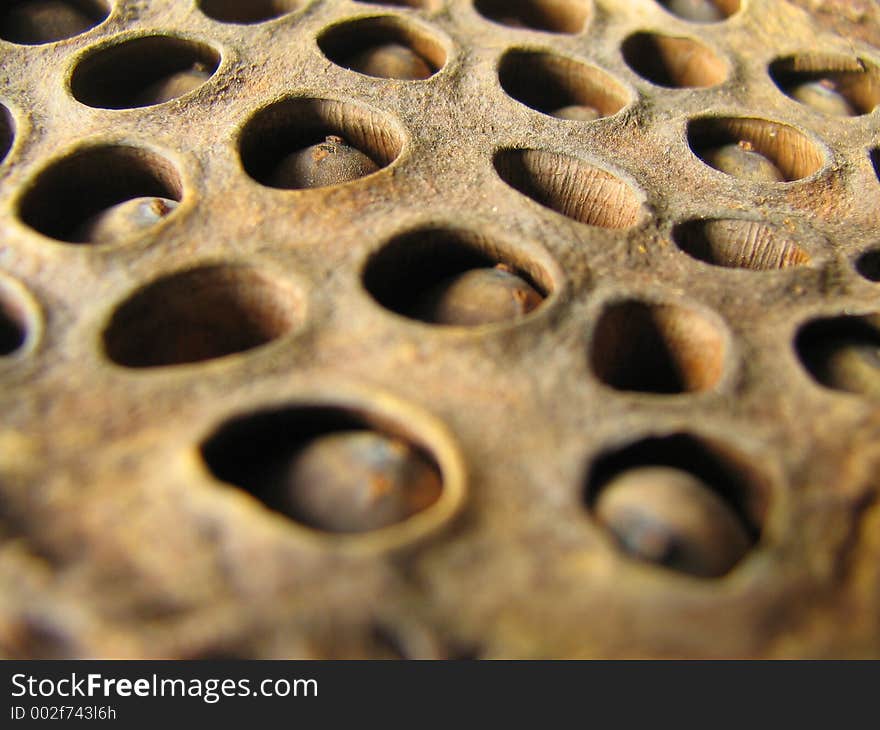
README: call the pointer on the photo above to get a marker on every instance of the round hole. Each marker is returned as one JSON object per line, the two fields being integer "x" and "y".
{"x": 142, "y": 72}
{"x": 868, "y": 265}
{"x": 657, "y": 348}
{"x": 680, "y": 503}
{"x": 335, "y": 470}
{"x": 740, "y": 244}
{"x": 14, "y": 320}
{"x": 702, "y": 11}
{"x": 68, "y": 199}
{"x": 307, "y": 143}
{"x": 673, "y": 62}
{"x": 560, "y": 87}
{"x": 843, "y": 353}
{"x": 455, "y": 278}
{"x": 384, "y": 47}
{"x": 32, "y": 22}
{"x": 754, "y": 150}
{"x": 571, "y": 187}
{"x": 247, "y": 12}
{"x": 843, "y": 86}
{"x": 7, "y": 132}
{"x": 552, "y": 16}
{"x": 200, "y": 314}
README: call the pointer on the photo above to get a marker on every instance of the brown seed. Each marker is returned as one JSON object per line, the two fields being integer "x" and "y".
{"x": 173, "y": 86}
{"x": 124, "y": 220}
{"x": 697, "y": 11}
{"x": 478, "y": 296}
{"x": 742, "y": 161}
{"x": 823, "y": 97}
{"x": 391, "y": 61}
{"x": 852, "y": 366}
{"x": 356, "y": 481}
{"x": 331, "y": 162}
{"x": 44, "y": 21}
{"x": 577, "y": 113}
{"x": 669, "y": 517}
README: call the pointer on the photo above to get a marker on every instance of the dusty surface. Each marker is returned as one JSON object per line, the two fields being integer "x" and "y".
{"x": 117, "y": 536}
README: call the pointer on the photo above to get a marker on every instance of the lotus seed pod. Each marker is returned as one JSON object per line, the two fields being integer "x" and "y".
{"x": 853, "y": 367}
{"x": 44, "y": 21}
{"x": 479, "y": 296}
{"x": 331, "y": 162}
{"x": 741, "y": 161}
{"x": 577, "y": 113}
{"x": 669, "y": 517}
{"x": 391, "y": 61}
{"x": 173, "y": 86}
{"x": 124, "y": 220}
{"x": 823, "y": 97}
{"x": 356, "y": 481}
{"x": 697, "y": 11}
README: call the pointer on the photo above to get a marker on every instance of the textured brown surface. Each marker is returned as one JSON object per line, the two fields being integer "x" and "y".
{"x": 117, "y": 539}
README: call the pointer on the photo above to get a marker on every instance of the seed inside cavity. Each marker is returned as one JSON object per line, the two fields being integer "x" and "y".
{"x": 356, "y": 481}
{"x": 124, "y": 220}
{"x": 853, "y": 366}
{"x": 670, "y": 517}
{"x": 479, "y": 296}
{"x": 331, "y": 162}
{"x": 698, "y": 11}
{"x": 391, "y": 61}
{"x": 577, "y": 113}
{"x": 173, "y": 86}
{"x": 741, "y": 161}
{"x": 823, "y": 96}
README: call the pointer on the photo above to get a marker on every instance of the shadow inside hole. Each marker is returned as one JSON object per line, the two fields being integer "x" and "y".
{"x": 868, "y": 265}
{"x": 33, "y": 22}
{"x": 76, "y": 188}
{"x": 843, "y": 353}
{"x": 570, "y": 186}
{"x": 790, "y": 151}
{"x": 329, "y": 468}
{"x": 247, "y": 12}
{"x": 142, "y": 72}
{"x": 702, "y": 11}
{"x": 680, "y": 502}
{"x": 7, "y": 132}
{"x": 290, "y": 126}
{"x": 831, "y": 84}
{"x": 553, "y": 16}
{"x": 557, "y": 86}
{"x": 384, "y": 47}
{"x": 673, "y": 62}
{"x": 657, "y": 348}
{"x": 200, "y": 315}
{"x": 13, "y": 325}
{"x": 409, "y": 276}
{"x": 740, "y": 244}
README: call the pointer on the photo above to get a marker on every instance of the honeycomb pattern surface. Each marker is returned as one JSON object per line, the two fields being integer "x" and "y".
{"x": 685, "y": 214}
